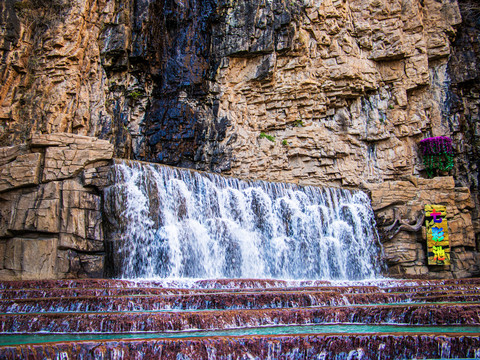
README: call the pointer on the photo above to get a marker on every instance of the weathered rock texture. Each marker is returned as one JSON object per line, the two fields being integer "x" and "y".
{"x": 347, "y": 88}
{"x": 350, "y": 98}
{"x": 464, "y": 103}
{"x": 50, "y": 207}
{"x": 315, "y": 92}
{"x": 404, "y": 243}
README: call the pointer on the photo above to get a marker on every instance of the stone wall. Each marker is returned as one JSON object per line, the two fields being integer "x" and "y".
{"x": 464, "y": 103}
{"x": 400, "y": 207}
{"x": 359, "y": 86}
{"x": 51, "y": 74}
{"x": 51, "y": 208}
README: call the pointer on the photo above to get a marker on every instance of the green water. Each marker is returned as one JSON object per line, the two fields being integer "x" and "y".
{"x": 278, "y": 330}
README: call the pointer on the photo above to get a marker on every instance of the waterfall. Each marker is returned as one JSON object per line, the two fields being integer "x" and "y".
{"x": 176, "y": 223}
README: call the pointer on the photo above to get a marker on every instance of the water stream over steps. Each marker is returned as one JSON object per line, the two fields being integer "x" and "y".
{"x": 239, "y": 319}
{"x": 218, "y": 268}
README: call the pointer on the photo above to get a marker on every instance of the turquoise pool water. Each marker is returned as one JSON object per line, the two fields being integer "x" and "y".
{"x": 19, "y": 339}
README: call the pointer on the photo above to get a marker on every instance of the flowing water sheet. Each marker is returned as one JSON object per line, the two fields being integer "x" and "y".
{"x": 175, "y": 223}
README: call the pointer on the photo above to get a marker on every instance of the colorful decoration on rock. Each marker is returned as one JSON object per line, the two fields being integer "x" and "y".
{"x": 437, "y": 154}
{"x": 437, "y": 235}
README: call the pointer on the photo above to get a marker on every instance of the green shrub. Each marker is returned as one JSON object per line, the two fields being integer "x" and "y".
{"x": 438, "y": 154}
{"x": 135, "y": 94}
{"x": 268, "y": 137}
{"x": 299, "y": 123}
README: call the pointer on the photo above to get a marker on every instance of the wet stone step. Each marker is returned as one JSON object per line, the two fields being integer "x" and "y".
{"x": 70, "y": 292}
{"x": 124, "y": 308}
{"x": 433, "y": 288}
{"x": 81, "y": 283}
{"x": 42, "y": 338}
{"x": 382, "y": 283}
{"x": 116, "y": 291}
{"x": 191, "y": 284}
{"x": 113, "y": 322}
{"x": 287, "y": 347}
{"x": 232, "y": 284}
{"x": 242, "y": 300}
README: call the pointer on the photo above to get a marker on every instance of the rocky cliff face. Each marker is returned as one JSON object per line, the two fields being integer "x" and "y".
{"x": 464, "y": 103}
{"x": 317, "y": 92}
{"x": 347, "y": 88}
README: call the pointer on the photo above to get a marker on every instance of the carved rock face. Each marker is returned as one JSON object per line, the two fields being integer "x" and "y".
{"x": 399, "y": 208}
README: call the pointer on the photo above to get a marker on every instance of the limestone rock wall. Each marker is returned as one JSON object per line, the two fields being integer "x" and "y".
{"x": 359, "y": 86}
{"x": 51, "y": 208}
{"x": 51, "y": 74}
{"x": 464, "y": 103}
{"x": 404, "y": 241}
{"x": 347, "y": 88}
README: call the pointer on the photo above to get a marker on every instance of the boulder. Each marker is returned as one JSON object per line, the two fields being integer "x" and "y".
{"x": 68, "y": 154}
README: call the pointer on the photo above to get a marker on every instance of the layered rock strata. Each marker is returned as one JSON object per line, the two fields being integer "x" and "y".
{"x": 344, "y": 89}
{"x": 464, "y": 103}
{"x": 50, "y": 207}
{"x": 400, "y": 205}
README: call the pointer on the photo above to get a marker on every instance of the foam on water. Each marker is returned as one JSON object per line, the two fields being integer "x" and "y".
{"x": 182, "y": 224}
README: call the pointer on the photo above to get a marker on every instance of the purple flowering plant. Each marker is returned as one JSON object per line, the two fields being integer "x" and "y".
{"x": 437, "y": 154}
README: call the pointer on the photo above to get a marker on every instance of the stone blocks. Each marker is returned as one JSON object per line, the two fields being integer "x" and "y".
{"x": 23, "y": 171}
{"x": 398, "y": 205}
{"x": 33, "y": 258}
{"x": 51, "y": 222}
{"x": 67, "y": 154}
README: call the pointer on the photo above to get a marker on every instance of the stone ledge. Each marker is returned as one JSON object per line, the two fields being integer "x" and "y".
{"x": 10, "y": 153}
{"x": 23, "y": 171}
{"x": 67, "y": 155}
{"x": 67, "y": 139}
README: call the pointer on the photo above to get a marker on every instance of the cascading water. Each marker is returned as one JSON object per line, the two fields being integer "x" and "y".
{"x": 176, "y": 223}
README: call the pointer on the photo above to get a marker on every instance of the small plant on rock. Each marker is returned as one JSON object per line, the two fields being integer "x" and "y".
{"x": 268, "y": 137}
{"x": 299, "y": 123}
{"x": 135, "y": 94}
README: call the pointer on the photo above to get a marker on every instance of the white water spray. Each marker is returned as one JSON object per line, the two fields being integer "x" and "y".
{"x": 176, "y": 223}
